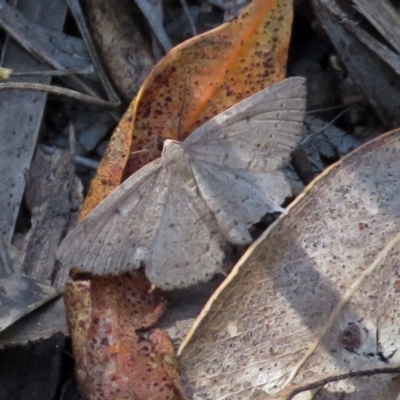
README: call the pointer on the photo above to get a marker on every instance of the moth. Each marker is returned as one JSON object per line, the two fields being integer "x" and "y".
{"x": 175, "y": 215}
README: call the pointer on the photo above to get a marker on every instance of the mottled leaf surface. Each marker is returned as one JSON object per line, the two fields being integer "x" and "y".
{"x": 315, "y": 296}
{"x": 194, "y": 82}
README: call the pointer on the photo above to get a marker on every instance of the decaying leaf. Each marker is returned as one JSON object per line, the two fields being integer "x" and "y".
{"x": 324, "y": 141}
{"x": 113, "y": 357}
{"x": 19, "y": 295}
{"x": 209, "y": 73}
{"x": 124, "y": 51}
{"x": 349, "y": 39}
{"x": 194, "y": 82}
{"x": 30, "y": 275}
{"x": 46, "y": 321}
{"x": 315, "y": 296}
{"x": 177, "y": 213}
{"x": 384, "y": 17}
{"x": 153, "y": 12}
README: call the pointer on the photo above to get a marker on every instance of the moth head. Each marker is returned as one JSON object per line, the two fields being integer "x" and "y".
{"x": 170, "y": 144}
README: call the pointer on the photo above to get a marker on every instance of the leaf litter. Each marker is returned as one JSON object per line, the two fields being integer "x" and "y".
{"x": 124, "y": 148}
{"x": 347, "y": 332}
{"x": 314, "y": 297}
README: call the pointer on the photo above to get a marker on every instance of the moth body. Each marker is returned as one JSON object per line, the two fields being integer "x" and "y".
{"x": 174, "y": 158}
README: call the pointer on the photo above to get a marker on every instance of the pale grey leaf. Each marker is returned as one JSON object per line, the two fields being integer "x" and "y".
{"x": 20, "y": 295}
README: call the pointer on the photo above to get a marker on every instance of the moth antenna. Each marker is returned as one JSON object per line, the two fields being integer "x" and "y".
{"x": 139, "y": 152}
{"x": 326, "y": 126}
{"x": 324, "y": 109}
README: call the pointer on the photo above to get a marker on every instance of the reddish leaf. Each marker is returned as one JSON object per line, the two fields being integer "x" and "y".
{"x": 113, "y": 357}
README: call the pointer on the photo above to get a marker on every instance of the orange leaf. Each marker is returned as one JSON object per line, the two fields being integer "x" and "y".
{"x": 110, "y": 172}
{"x": 208, "y": 74}
{"x": 113, "y": 358}
{"x": 194, "y": 82}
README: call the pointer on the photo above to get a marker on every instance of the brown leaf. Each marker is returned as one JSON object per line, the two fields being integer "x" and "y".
{"x": 194, "y": 82}
{"x": 315, "y": 296}
{"x": 208, "y": 74}
{"x": 114, "y": 357}
{"x": 109, "y": 174}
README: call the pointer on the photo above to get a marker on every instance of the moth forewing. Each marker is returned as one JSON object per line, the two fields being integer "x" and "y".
{"x": 266, "y": 126}
{"x": 116, "y": 236}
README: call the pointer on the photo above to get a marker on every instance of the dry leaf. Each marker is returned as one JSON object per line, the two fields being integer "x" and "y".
{"x": 46, "y": 321}
{"x": 314, "y": 296}
{"x": 324, "y": 141}
{"x": 153, "y": 12}
{"x": 113, "y": 357}
{"x": 384, "y": 16}
{"x": 208, "y": 74}
{"x": 349, "y": 39}
{"x": 123, "y": 48}
{"x": 52, "y": 196}
{"x": 20, "y": 295}
{"x": 194, "y": 82}
{"x": 177, "y": 213}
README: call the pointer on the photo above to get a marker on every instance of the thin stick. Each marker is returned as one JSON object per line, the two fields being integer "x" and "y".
{"x": 325, "y": 109}
{"x": 189, "y": 17}
{"x": 352, "y": 374}
{"x": 58, "y": 91}
{"x": 76, "y": 10}
{"x": 72, "y": 139}
{"x": 11, "y": 23}
{"x": 328, "y": 124}
{"x": 57, "y": 72}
